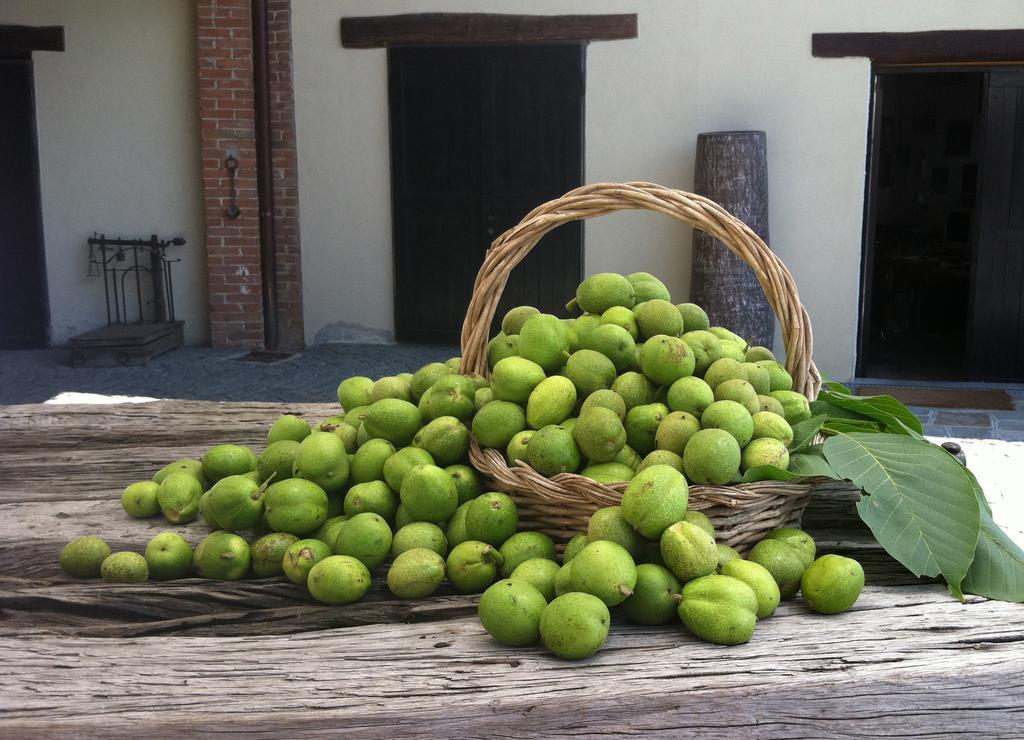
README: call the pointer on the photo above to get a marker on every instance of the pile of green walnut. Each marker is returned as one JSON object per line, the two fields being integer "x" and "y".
{"x": 636, "y": 389}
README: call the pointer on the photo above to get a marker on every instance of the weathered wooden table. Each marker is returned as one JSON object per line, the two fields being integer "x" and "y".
{"x": 260, "y": 658}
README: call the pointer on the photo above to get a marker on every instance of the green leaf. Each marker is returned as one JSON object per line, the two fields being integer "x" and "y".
{"x": 998, "y": 568}
{"x": 804, "y": 433}
{"x": 886, "y": 409}
{"x": 921, "y": 506}
{"x": 833, "y": 412}
{"x": 810, "y": 465}
{"x": 767, "y": 472}
{"x": 845, "y": 426}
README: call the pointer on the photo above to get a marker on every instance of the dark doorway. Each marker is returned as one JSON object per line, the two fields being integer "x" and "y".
{"x": 479, "y": 137}
{"x": 24, "y": 308}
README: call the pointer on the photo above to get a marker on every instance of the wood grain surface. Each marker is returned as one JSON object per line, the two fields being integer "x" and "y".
{"x": 259, "y": 658}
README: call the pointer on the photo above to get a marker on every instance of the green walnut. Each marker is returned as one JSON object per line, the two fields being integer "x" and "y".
{"x": 83, "y": 557}
{"x": 297, "y": 506}
{"x": 655, "y": 596}
{"x": 783, "y": 561}
{"x": 688, "y": 551}
{"x": 575, "y": 625}
{"x": 416, "y": 573}
{"x": 655, "y": 500}
{"x": 760, "y": 581}
{"x": 719, "y": 609}
{"x": 510, "y": 611}
{"x": 832, "y": 584}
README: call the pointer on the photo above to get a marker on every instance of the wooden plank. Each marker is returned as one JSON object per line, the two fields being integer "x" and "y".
{"x": 370, "y": 32}
{"x": 924, "y": 47}
{"x": 16, "y": 40}
{"x": 903, "y": 661}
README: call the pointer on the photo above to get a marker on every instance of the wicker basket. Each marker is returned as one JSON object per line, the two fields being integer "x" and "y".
{"x": 561, "y": 505}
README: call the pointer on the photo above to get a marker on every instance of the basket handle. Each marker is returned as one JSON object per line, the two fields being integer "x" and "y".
{"x": 509, "y": 249}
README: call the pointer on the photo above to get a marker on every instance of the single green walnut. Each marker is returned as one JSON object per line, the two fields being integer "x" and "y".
{"x": 758, "y": 377}
{"x": 795, "y": 406}
{"x": 224, "y": 460}
{"x": 832, "y": 584}
{"x": 338, "y": 579}
{"x": 563, "y": 580}
{"x": 731, "y": 417}
{"x": 492, "y": 518}
{"x": 642, "y": 424}
{"x": 609, "y": 472}
{"x": 184, "y": 465}
{"x": 675, "y": 431}
{"x": 355, "y": 391}
{"x": 393, "y": 419}
{"x": 236, "y": 502}
{"x": 139, "y": 499}
{"x": 544, "y": 339}
{"x": 452, "y": 395}
{"x": 719, "y": 609}
{"x": 764, "y": 451}
{"x": 706, "y": 348}
{"x": 655, "y": 596}
{"x": 455, "y": 531}
{"x": 518, "y": 445}
{"x": 390, "y": 387}
{"x": 606, "y": 570}
{"x": 445, "y": 438}
{"x": 634, "y": 389}
{"x": 276, "y": 462}
{"x": 497, "y": 422}
{"x": 712, "y": 456}
{"x": 701, "y": 520}
{"x": 767, "y": 424}
{"x": 500, "y": 347}
{"x": 398, "y": 464}
{"x": 771, "y": 405}
{"x": 472, "y": 566}
{"x": 223, "y": 556}
{"x": 784, "y": 561}
{"x": 658, "y": 316}
{"x": 600, "y": 292}
{"x": 425, "y": 377}
{"x": 296, "y": 506}
{"x": 798, "y": 539}
{"x": 646, "y": 287}
{"x": 739, "y": 391}
{"x": 268, "y": 553}
{"x": 574, "y": 546}
{"x": 416, "y": 573}
{"x": 539, "y": 573}
{"x": 523, "y": 546}
{"x": 575, "y": 625}
{"x": 589, "y": 371}
{"x": 301, "y": 556}
{"x": 168, "y": 556}
{"x": 688, "y": 551}
{"x": 516, "y": 317}
{"x": 694, "y": 317}
{"x": 374, "y": 496}
{"x": 553, "y": 450}
{"x": 665, "y": 359}
{"x": 514, "y": 378}
{"x": 428, "y": 494}
{"x": 608, "y": 523}
{"x": 179, "y": 496}
{"x": 288, "y": 427}
{"x": 615, "y": 343}
{"x": 124, "y": 567}
{"x": 327, "y": 532}
{"x": 654, "y": 500}
{"x": 365, "y": 537}
{"x": 83, "y": 557}
{"x": 760, "y": 581}
{"x": 780, "y": 379}
{"x": 622, "y": 317}
{"x": 419, "y": 534}
{"x": 725, "y": 554}
{"x": 467, "y": 481}
{"x": 551, "y": 402}
{"x": 323, "y": 459}
{"x": 510, "y": 612}
{"x": 723, "y": 369}
{"x": 599, "y": 433}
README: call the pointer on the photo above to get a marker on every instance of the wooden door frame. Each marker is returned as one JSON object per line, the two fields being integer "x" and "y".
{"x": 870, "y": 198}
{"x": 17, "y": 44}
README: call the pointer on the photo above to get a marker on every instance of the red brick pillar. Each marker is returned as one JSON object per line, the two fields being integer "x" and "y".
{"x": 227, "y": 122}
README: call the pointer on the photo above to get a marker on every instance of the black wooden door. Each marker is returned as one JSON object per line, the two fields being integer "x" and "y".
{"x": 479, "y": 137}
{"x": 24, "y": 309}
{"x": 997, "y": 337}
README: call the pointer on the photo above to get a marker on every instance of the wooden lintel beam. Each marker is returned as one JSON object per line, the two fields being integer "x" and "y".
{"x": 369, "y": 32}
{"x": 924, "y": 47}
{"x": 26, "y": 39}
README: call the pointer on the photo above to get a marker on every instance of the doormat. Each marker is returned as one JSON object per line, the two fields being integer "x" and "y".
{"x": 948, "y": 398}
{"x": 264, "y": 356}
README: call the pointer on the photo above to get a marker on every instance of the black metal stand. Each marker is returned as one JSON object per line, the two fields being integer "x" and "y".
{"x": 121, "y": 263}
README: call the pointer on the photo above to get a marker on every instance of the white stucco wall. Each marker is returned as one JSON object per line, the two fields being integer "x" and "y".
{"x": 118, "y": 132}
{"x": 697, "y": 65}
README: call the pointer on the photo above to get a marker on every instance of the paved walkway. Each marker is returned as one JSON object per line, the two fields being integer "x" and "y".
{"x": 208, "y": 374}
